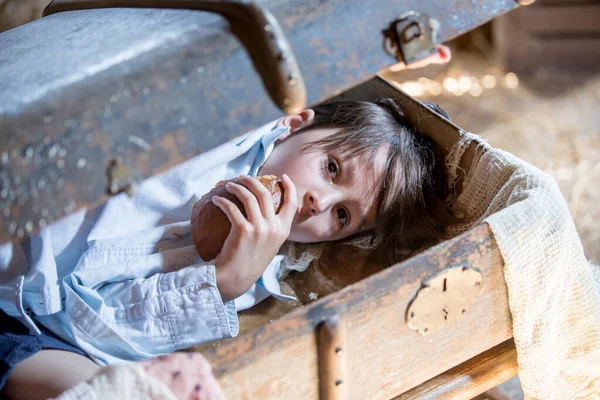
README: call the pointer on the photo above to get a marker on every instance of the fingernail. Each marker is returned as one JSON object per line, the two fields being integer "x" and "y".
{"x": 286, "y": 177}
{"x": 214, "y": 198}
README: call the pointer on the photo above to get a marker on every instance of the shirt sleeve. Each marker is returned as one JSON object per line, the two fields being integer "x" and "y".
{"x": 138, "y": 318}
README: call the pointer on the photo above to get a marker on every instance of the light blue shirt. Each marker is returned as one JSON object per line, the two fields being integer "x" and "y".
{"x": 124, "y": 281}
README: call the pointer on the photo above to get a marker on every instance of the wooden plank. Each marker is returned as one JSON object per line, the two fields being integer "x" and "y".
{"x": 443, "y": 132}
{"x": 385, "y": 358}
{"x": 561, "y": 20}
{"x": 470, "y": 378}
{"x": 535, "y": 37}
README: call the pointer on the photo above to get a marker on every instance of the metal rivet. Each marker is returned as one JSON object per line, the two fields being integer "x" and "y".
{"x": 338, "y": 382}
{"x": 338, "y": 350}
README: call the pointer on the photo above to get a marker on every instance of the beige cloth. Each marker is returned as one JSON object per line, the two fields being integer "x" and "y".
{"x": 553, "y": 291}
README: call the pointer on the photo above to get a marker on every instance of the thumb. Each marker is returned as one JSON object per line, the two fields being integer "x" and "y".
{"x": 290, "y": 202}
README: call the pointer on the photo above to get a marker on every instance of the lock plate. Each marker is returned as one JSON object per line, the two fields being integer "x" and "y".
{"x": 443, "y": 299}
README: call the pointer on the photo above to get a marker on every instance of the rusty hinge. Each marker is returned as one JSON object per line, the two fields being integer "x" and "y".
{"x": 411, "y": 37}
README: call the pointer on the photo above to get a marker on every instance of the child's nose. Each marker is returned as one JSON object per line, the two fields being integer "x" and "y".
{"x": 314, "y": 206}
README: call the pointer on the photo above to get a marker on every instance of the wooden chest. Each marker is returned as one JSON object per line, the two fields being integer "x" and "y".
{"x": 134, "y": 118}
{"x": 357, "y": 343}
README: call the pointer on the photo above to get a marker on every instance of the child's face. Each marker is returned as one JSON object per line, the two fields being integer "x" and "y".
{"x": 336, "y": 197}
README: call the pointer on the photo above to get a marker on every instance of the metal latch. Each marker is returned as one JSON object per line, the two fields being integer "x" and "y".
{"x": 411, "y": 37}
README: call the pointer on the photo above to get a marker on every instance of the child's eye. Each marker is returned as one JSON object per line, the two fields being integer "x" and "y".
{"x": 342, "y": 216}
{"x": 332, "y": 168}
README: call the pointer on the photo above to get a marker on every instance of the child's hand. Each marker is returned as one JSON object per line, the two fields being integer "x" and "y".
{"x": 443, "y": 56}
{"x": 253, "y": 242}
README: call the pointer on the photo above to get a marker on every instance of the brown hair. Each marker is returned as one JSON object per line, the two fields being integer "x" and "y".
{"x": 413, "y": 179}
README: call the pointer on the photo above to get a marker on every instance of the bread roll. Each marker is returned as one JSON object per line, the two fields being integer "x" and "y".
{"x": 210, "y": 226}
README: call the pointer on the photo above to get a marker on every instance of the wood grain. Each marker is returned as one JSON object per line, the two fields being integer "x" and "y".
{"x": 470, "y": 378}
{"x": 385, "y": 357}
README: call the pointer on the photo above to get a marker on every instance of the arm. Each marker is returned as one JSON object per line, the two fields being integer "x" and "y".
{"x": 135, "y": 319}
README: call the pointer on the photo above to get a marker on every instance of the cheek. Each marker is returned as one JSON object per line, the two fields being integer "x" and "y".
{"x": 303, "y": 170}
{"x": 313, "y": 230}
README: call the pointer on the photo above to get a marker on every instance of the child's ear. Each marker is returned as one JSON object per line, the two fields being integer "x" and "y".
{"x": 296, "y": 121}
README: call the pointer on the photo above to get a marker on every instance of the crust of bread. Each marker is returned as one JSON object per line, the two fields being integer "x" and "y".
{"x": 210, "y": 226}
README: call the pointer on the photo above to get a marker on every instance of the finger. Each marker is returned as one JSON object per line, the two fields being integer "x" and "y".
{"x": 232, "y": 211}
{"x": 248, "y": 200}
{"x": 445, "y": 53}
{"x": 290, "y": 200}
{"x": 265, "y": 200}
{"x": 442, "y": 56}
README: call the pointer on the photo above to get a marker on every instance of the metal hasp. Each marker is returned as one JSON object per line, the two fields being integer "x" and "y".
{"x": 411, "y": 37}
{"x": 154, "y": 87}
{"x": 252, "y": 23}
{"x": 443, "y": 299}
